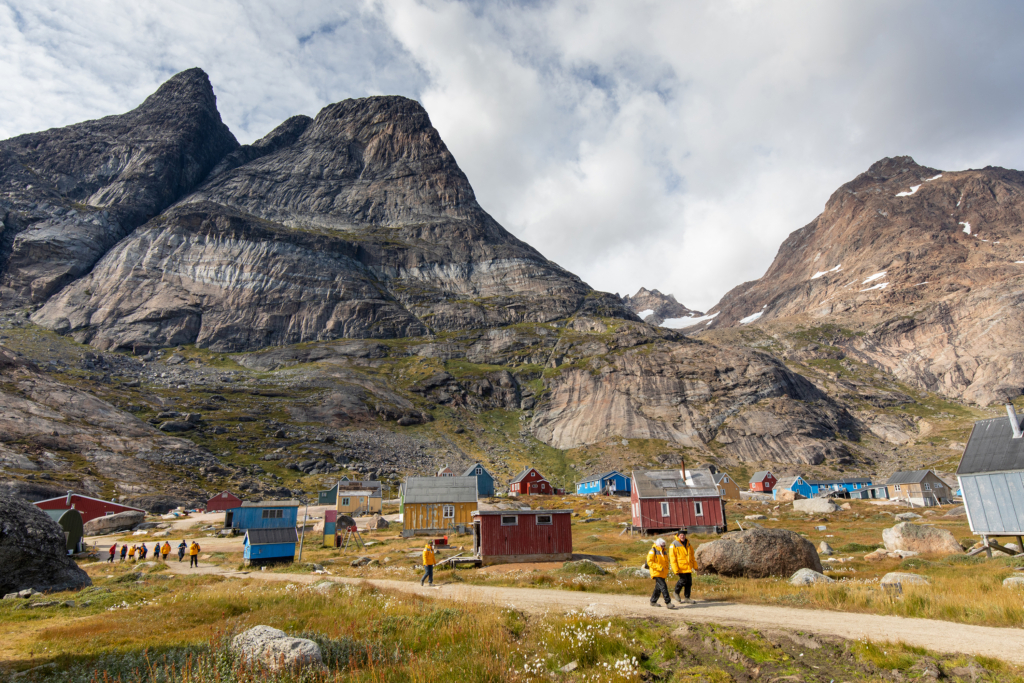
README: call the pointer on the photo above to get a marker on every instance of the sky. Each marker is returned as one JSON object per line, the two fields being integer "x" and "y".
{"x": 661, "y": 144}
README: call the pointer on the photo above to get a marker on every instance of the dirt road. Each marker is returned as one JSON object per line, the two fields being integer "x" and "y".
{"x": 1006, "y": 644}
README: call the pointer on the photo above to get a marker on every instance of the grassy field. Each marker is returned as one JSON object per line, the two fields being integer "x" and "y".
{"x": 152, "y": 626}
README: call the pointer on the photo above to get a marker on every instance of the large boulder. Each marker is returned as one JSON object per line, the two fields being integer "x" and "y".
{"x": 377, "y": 522}
{"x": 758, "y": 553}
{"x": 922, "y": 539}
{"x": 275, "y": 649}
{"x": 815, "y": 506}
{"x": 33, "y": 551}
{"x": 122, "y": 521}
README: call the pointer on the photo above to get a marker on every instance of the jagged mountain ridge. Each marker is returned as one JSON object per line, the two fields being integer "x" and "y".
{"x": 927, "y": 266}
{"x": 655, "y": 308}
{"x": 357, "y": 223}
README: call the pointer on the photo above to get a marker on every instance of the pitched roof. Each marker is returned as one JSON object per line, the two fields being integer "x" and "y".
{"x": 844, "y": 480}
{"x": 759, "y": 476}
{"x": 670, "y": 484}
{"x": 352, "y": 484}
{"x": 519, "y": 477}
{"x": 476, "y": 513}
{"x": 98, "y": 500}
{"x": 263, "y": 536}
{"x": 271, "y": 504}
{"x": 787, "y": 481}
{"x": 440, "y": 490}
{"x": 915, "y": 477}
{"x": 992, "y": 448}
{"x": 719, "y": 476}
{"x": 599, "y": 477}
{"x": 469, "y": 470}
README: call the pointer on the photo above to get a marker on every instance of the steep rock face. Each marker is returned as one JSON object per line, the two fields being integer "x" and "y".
{"x": 357, "y": 223}
{"x": 70, "y": 193}
{"x": 33, "y": 551}
{"x": 654, "y": 307}
{"x": 691, "y": 393}
{"x": 931, "y": 262}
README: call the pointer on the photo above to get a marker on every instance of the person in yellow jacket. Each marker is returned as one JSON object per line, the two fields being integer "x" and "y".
{"x": 428, "y": 564}
{"x": 166, "y": 550}
{"x": 657, "y": 563}
{"x": 131, "y": 554}
{"x": 193, "y": 555}
{"x": 683, "y": 562}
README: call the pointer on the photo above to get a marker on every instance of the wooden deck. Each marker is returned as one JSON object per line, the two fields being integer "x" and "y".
{"x": 460, "y": 560}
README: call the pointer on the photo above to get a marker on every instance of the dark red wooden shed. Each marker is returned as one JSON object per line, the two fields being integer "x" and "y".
{"x": 225, "y": 500}
{"x": 666, "y": 500}
{"x": 89, "y": 508}
{"x": 503, "y": 536}
{"x": 530, "y": 482}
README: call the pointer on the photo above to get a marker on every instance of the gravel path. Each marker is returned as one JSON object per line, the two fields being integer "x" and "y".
{"x": 1006, "y": 644}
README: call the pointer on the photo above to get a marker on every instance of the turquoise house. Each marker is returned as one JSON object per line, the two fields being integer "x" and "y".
{"x": 612, "y": 482}
{"x": 484, "y": 480}
{"x": 796, "y": 484}
{"x": 270, "y": 545}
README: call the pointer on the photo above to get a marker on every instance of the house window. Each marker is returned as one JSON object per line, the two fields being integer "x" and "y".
{"x": 543, "y": 519}
{"x": 345, "y": 501}
{"x": 664, "y": 509}
{"x": 897, "y": 487}
{"x": 938, "y": 487}
{"x": 479, "y": 471}
{"x": 698, "y": 508}
{"x": 510, "y": 520}
{"x": 927, "y": 486}
{"x": 273, "y": 514}
{"x": 448, "y": 512}
{"x": 224, "y": 495}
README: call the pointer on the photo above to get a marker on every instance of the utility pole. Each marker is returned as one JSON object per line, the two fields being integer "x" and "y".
{"x": 302, "y": 536}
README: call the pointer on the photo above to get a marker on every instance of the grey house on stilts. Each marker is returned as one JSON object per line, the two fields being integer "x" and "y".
{"x": 991, "y": 476}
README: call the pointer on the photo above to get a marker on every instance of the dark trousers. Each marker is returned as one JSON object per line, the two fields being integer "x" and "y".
{"x": 428, "y": 574}
{"x": 660, "y": 588}
{"x": 111, "y": 557}
{"x": 684, "y": 583}
{"x": 193, "y": 560}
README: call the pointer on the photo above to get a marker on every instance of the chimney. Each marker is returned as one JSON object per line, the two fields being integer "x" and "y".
{"x": 1011, "y": 412}
{"x": 682, "y": 468}
{"x": 68, "y": 503}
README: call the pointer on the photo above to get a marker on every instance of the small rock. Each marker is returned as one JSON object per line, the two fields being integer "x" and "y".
{"x": 907, "y": 516}
{"x": 904, "y": 579}
{"x": 825, "y": 549}
{"x": 958, "y": 511}
{"x": 845, "y": 506}
{"x": 36, "y": 605}
{"x": 815, "y": 505}
{"x": 361, "y": 561}
{"x": 174, "y": 426}
{"x": 756, "y": 517}
{"x": 1013, "y": 582}
{"x": 571, "y": 666}
{"x": 807, "y": 577}
{"x": 276, "y": 650}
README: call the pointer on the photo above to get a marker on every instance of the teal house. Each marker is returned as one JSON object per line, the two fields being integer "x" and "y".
{"x": 270, "y": 545}
{"x": 484, "y": 480}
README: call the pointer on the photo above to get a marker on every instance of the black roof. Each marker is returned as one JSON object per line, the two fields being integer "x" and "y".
{"x": 992, "y": 448}
{"x": 264, "y": 536}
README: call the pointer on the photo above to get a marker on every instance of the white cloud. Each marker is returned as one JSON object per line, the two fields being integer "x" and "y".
{"x": 662, "y": 144}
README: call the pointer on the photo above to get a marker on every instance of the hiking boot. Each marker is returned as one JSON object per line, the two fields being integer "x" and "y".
{"x": 678, "y": 598}
{"x": 670, "y": 605}
{"x": 688, "y": 601}
{"x": 654, "y": 604}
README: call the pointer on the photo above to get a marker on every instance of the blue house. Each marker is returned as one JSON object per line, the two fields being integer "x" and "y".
{"x": 850, "y": 484}
{"x": 610, "y": 482}
{"x": 270, "y": 545}
{"x": 268, "y": 514}
{"x": 484, "y": 480}
{"x": 797, "y": 484}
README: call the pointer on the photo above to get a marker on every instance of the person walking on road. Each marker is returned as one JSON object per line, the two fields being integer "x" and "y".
{"x": 683, "y": 562}
{"x": 428, "y": 564}
{"x": 131, "y": 554}
{"x": 143, "y": 551}
{"x": 166, "y": 550}
{"x": 124, "y": 551}
{"x": 182, "y": 547}
{"x": 193, "y": 555}
{"x": 113, "y": 551}
{"x": 657, "y": 563}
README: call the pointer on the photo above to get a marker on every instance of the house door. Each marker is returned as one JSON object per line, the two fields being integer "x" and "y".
{"x": 533, "y": 488}
{"x": 476, "y": 538}
{"x": 228, "y": 517}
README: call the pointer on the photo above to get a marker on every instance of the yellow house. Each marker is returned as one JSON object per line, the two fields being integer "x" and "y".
{"x": 727, "y": 488}
{"x": 358, "y": 502}
{"x": 437, "y": 505}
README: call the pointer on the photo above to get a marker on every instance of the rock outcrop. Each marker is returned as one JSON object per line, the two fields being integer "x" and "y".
{"x": 276, "y": 651}
{"x": 33, "y": 552}
{"x": 921, "y": 539}
{"x": 655, "y": 308}
{"x": 758, "y": 553}
{"x": 70, "y": 193}
{"x": 928, "y": 267}
{"x": 122, "y": 521}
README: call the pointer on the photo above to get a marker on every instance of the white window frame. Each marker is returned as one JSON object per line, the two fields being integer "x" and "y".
{"x": 664, "y": 509}
{"x": 510, "y": 520}
{"x": 938, "y": 487}
{"x": 273, "y": 514}
{"x": 897, "y": 486}
{"x": 927, "y": 486}
{"x": 698, "y": 508}
{"x": 479, "y": 471}
{"x": 448, "y": 512}
{"x": 346, "y": 501}
{"x": 545, "y": 520}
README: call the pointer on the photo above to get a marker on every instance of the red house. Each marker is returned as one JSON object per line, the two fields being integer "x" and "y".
{"x": 89, "y": 508}
{"x": 762, "y": 482}
{"x": 530, "y": 482}
{"x": 503, "y": 536}
{"x": 225, "y": 500}
{"x": 666, "y": 500}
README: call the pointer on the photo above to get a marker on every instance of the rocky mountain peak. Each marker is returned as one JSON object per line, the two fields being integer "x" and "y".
{"x": 655, "y": 308}
{"x": 189, "y": 89}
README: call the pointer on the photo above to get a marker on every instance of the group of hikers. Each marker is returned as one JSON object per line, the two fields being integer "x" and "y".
{"x": 141, "y": 551}
{"x": 680, "y": 559}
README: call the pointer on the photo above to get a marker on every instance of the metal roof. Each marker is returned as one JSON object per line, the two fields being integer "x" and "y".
{"x": 519, "y": 477}
{"x": 264, "y": 536}
{"x": 759, "y": 476}
{"x": 992, "y": 448}
{"x": 440, "y": 490}
{"x": 599, "y": 477}
{"x": 845, "y": 480}
{"x": 670, "y": 484}
{"x": 521, "y": 512}
{"x": 914, "y": 477}
{"x": 272, "y": 504}
{"x": 788, "y": 481}
{"x": 469, "y": 471}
